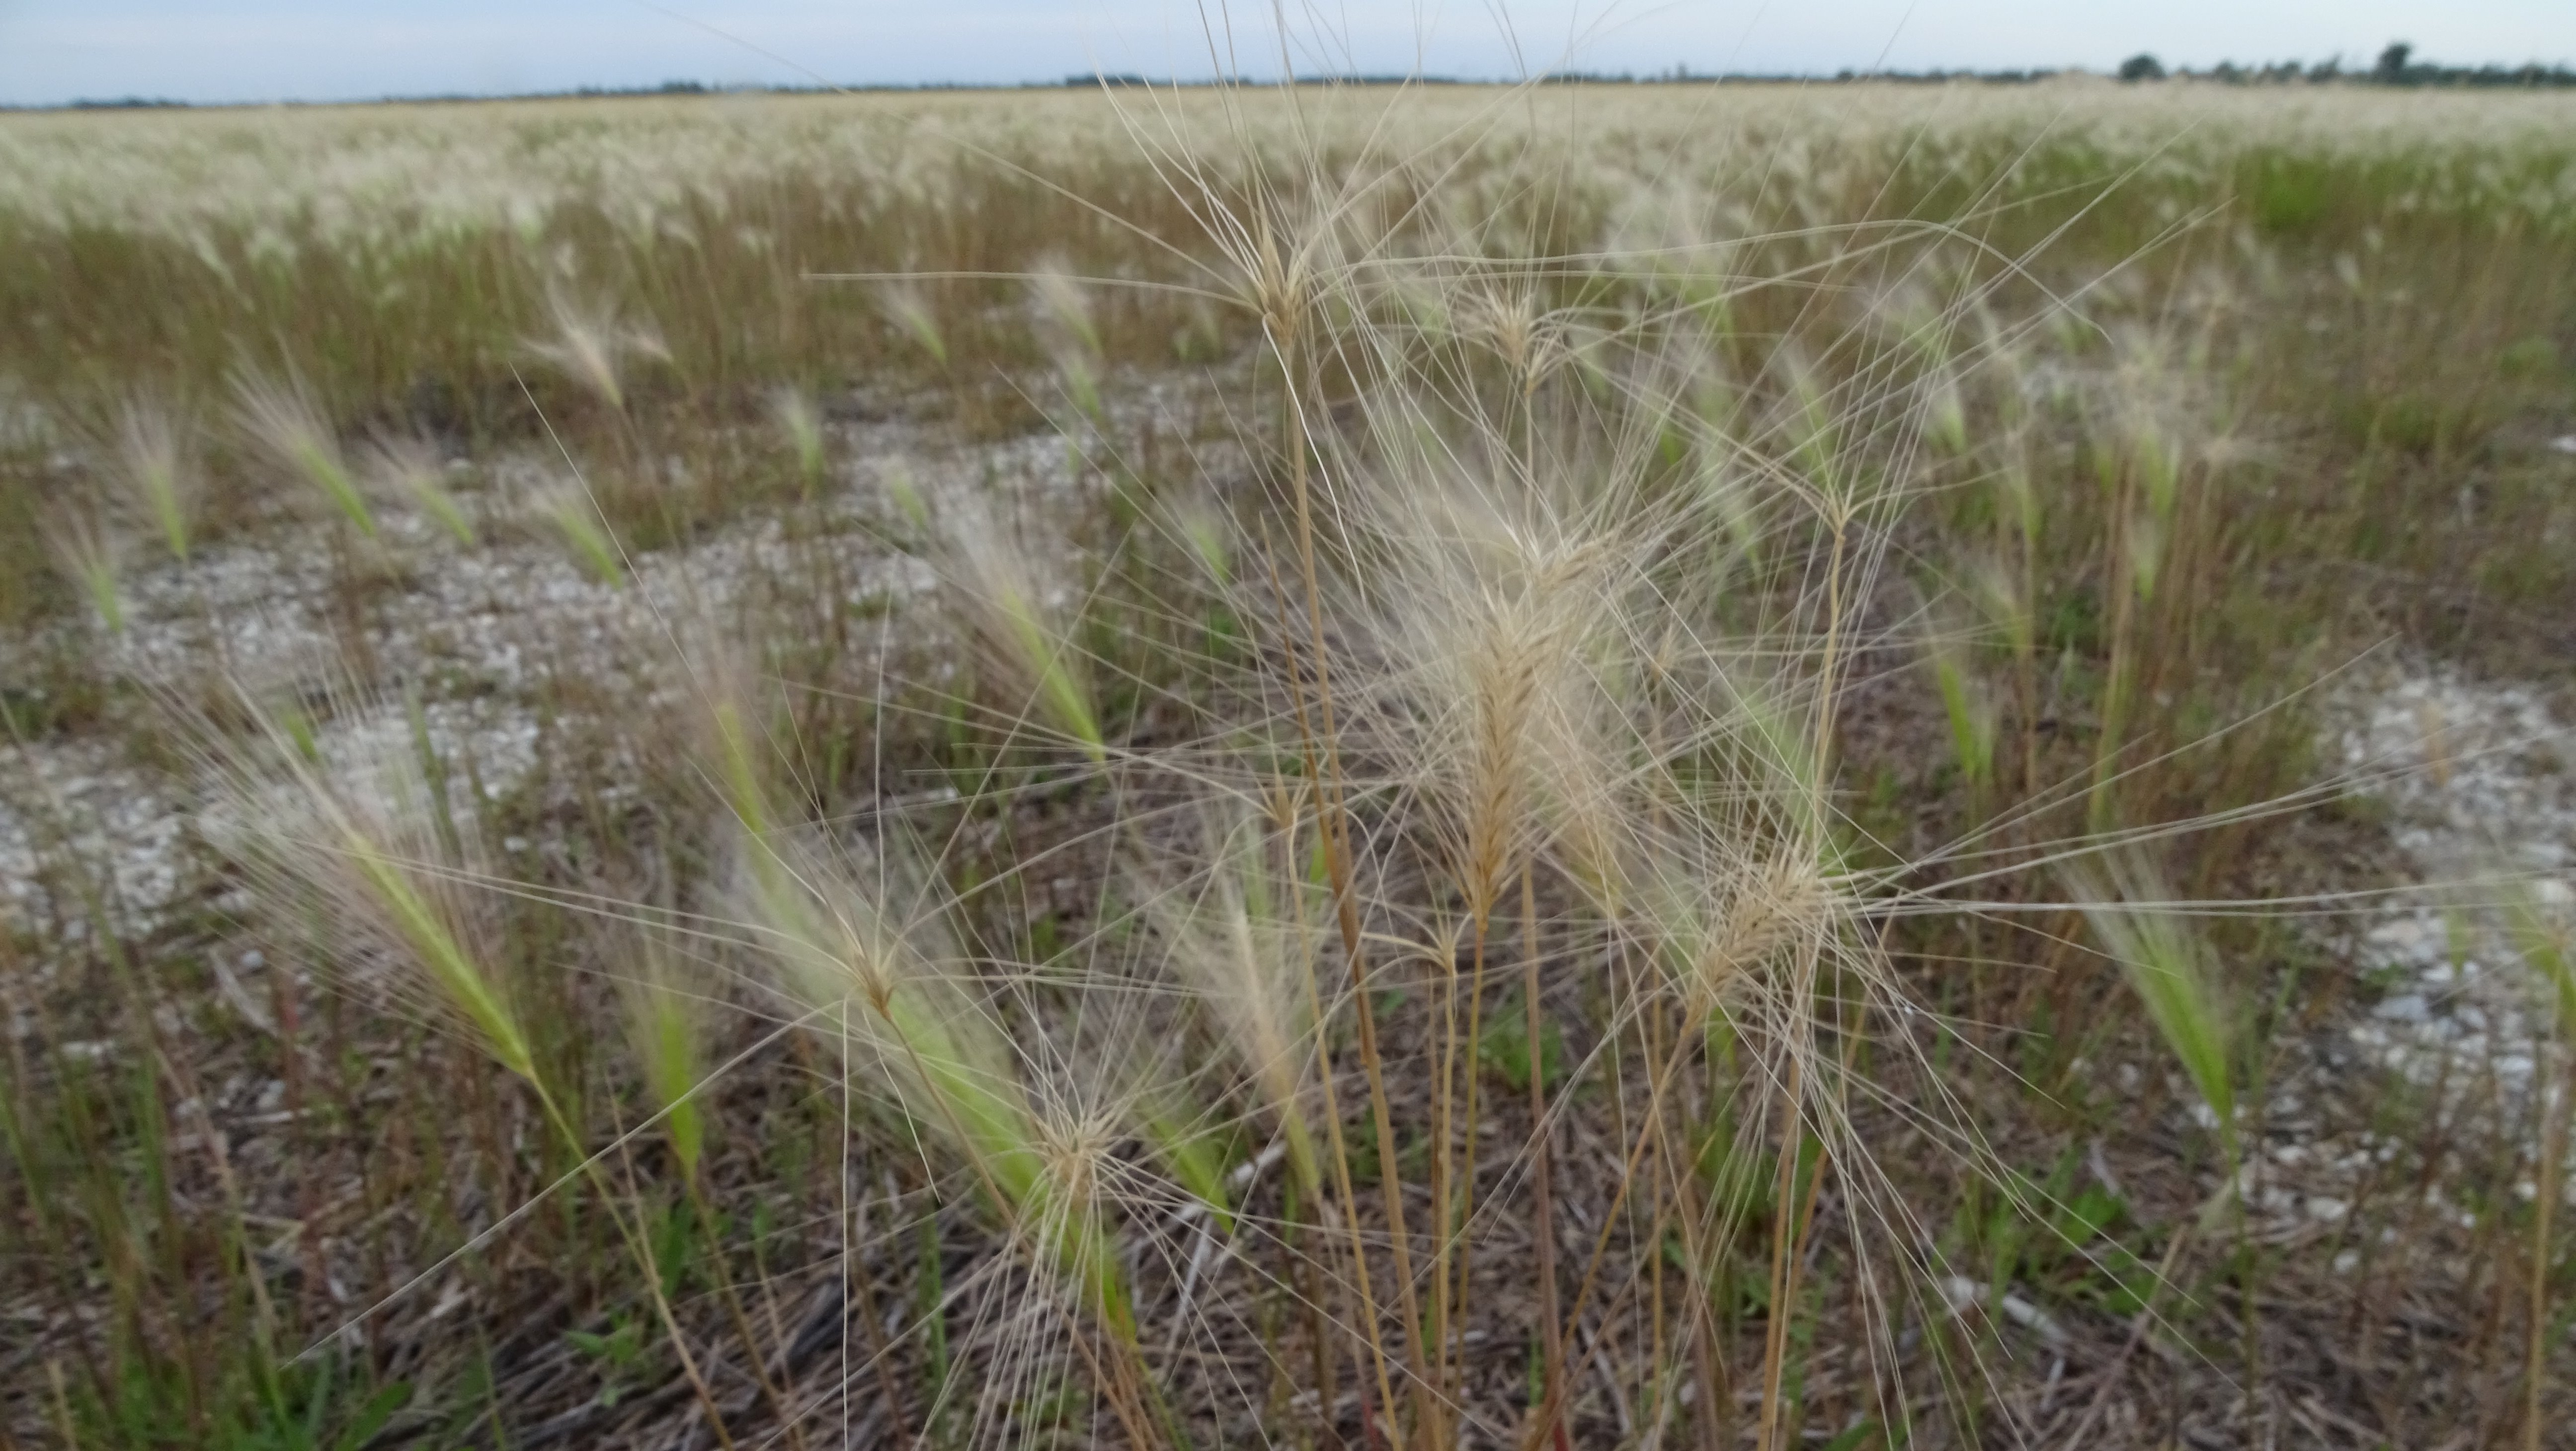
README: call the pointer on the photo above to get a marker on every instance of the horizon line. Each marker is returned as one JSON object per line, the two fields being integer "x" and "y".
{"x": 2531, "y": 75}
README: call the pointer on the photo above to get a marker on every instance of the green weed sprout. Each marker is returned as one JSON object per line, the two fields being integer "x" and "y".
{"x": 666, "y": 1025}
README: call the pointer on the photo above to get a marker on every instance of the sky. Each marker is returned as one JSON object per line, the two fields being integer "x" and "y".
{"x": 53, "y": 51}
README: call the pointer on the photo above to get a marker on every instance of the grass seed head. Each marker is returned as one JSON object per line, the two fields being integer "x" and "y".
{"x": 286, "y": 423}
{"x": 1061, "y": 300}
{"x": 1241, "y": 932}
{"x": 1017, "y": 610}
{"x": 894, "y": 996}
{"x": 2538, "y": 925}
{"x": 567, "y": 508}
{"x": 667, "y": 1027}
{"x": 1484, "y": 629}
{"x": 1721, "y": 929}
{"x": 363, "y": 835}
{"x": 803, "y": 425}
{"x": 87, "y": 551}
{"x": 1529, "y": 342}
{"x": 592, "y": 346}
{"x": 910, "y": 312}
{"x": 407, "y": 467}
{"x": 156, "y": 460}
{"x": 2167, "y": 965}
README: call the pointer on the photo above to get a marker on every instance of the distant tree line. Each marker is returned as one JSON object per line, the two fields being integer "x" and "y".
{"x": 2396, "y": 66}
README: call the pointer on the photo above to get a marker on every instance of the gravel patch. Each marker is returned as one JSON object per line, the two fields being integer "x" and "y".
{"x": 2474, "y": 779}
{"x": 478, "y": 636}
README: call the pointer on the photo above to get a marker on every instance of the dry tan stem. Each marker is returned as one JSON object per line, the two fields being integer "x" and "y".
{"x": 1361, "y": 1276}
{"x": 1337, "y": 865}
{"x": 2553, "y": 1149}
{"x": 1552, "y": 1405}
{"x": 705, "y": 1206}
{"x": 1542, "y": 1183}
{"x": 1467, "y": 1167}
{"x": 643, "y": 1255}
{"x": 1775, "y": 1350}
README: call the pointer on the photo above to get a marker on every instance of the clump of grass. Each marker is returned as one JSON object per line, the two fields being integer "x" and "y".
{"x": 1490, "y": 618}
{"x": 377, "y": 845}
{"x": 1550, "y": 595}
{"x": 667, "y": 1024}
{"x": 1974, "y": 715}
